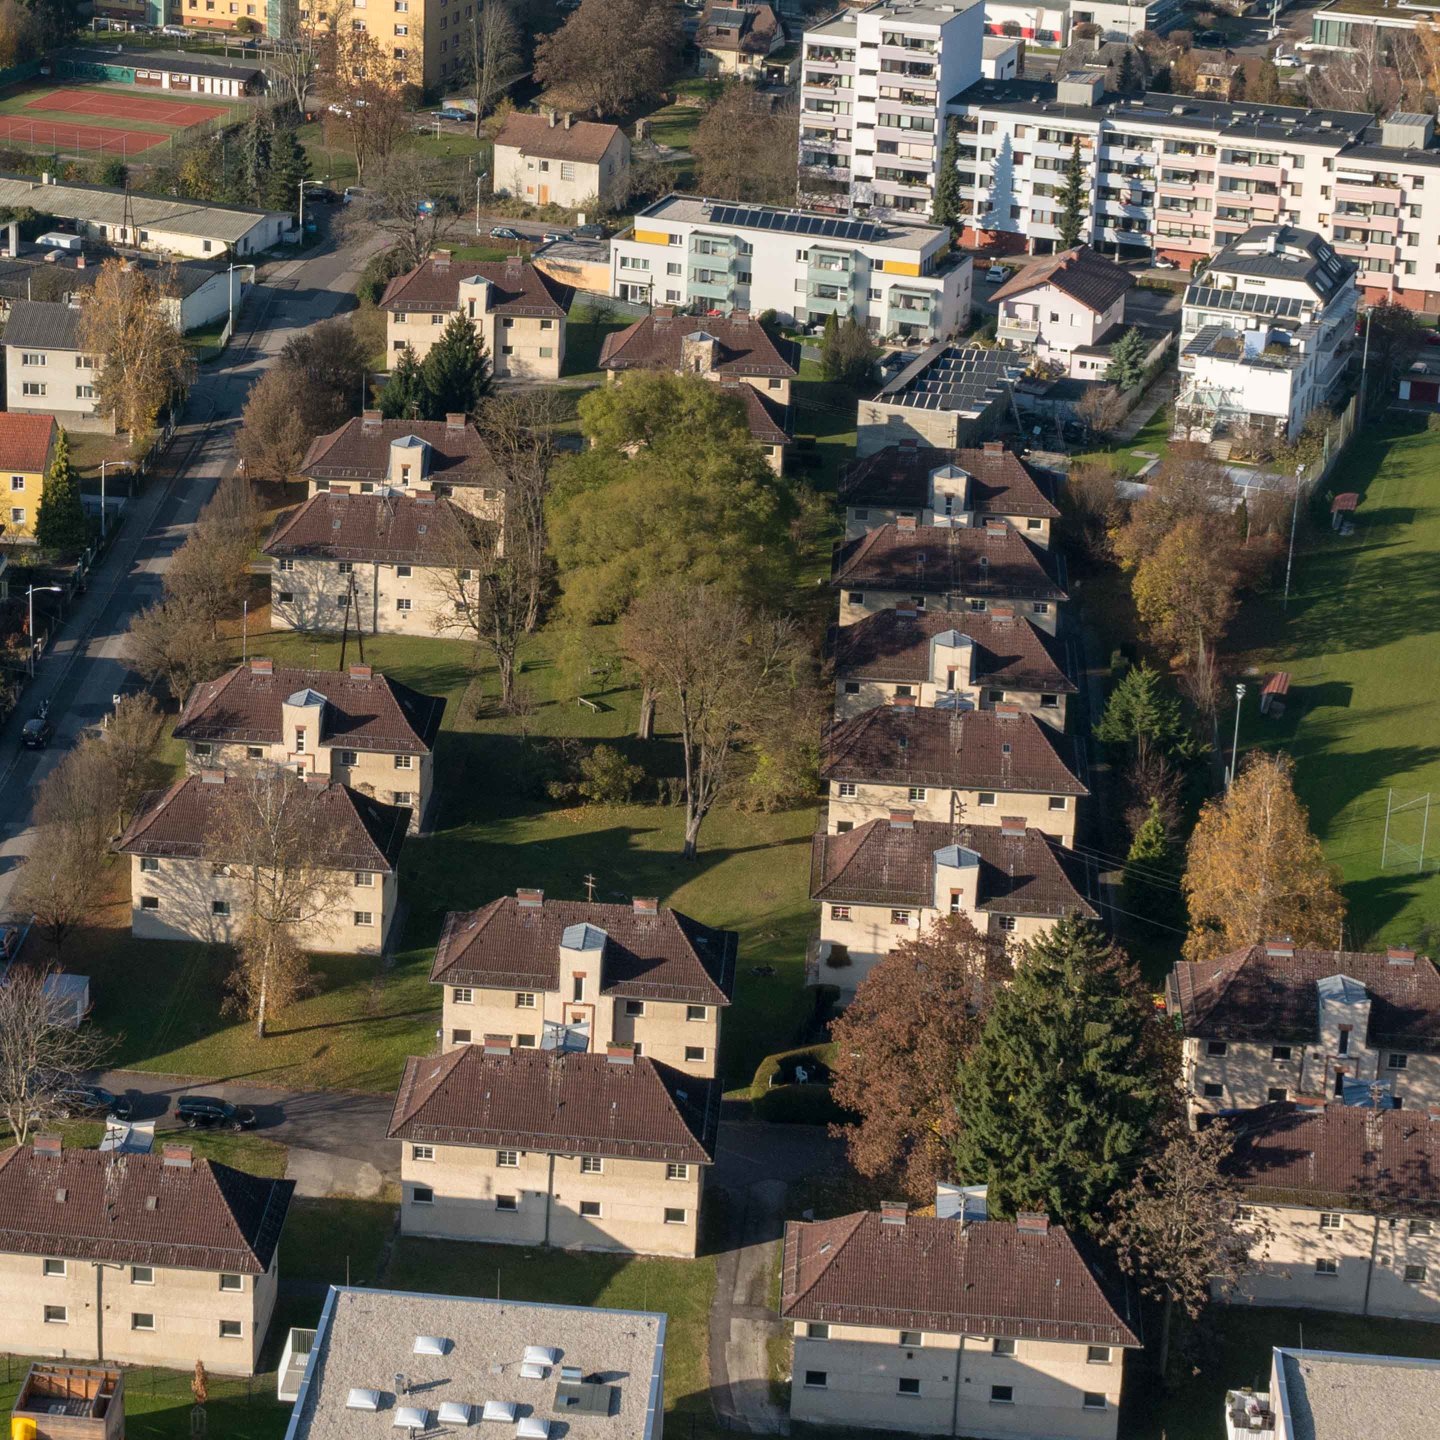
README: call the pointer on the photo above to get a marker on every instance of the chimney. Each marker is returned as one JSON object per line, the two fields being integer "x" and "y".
{"x": 79, "y": 262}
{"x": 497, "y": 1045}
{"x": 530, "y": 899}
{"x": 1279, "y": 949}
{"x": 361, "y": 672}
{"x": 1003, "y": 613}
{"x": 1396, "y": 956}
{"x": 1032, "y": 1222}
{"x": 512, "y": 267}
{"x": 905, "y": 522}
{"x": 552, "y": 117}
{"x": 455, "y": 421}
{"x": 48, "y": 1145}
{"x": 1008, "y": 712}
{"x": 179, "y": 1156}
{"x": 994, "y": 447}
{"x": 569, "y": 119}
{"x": 903, "y": 702}
{"x": 902, "y": 819}
{"x": 893, "y": 1212}
{"x": 646, "y": 905}
{"x": 261, "y": 666}
{"x": 1012, "y": 825}
{"x": 212, "y": 777}
{"x": 620, "y": 1054}
{"x": 440, "y": 261}
{"x": 995, "y": 527}
{"x": 370, "y": 422}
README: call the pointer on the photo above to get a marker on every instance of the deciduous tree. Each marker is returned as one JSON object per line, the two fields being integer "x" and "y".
{"x": 333, "y": 366}
{"x": 747, "y": 149}
{"x": 273, "y": 435}
{"x": 416, "y": 198}
{"x": 173, "y": 643}
{"x": 131, "y": 736}
{"x": 370, "y": 86}
{"x": 492, "y": 55}
{"x": 293, "y": 66}
{"x": 848, "y": 353}
{"x": 1185, "y": 590}
{"x": 60, "y": 521}
{"x": 1392, "y": 336}
{"x": 1188, "y": 482}
{"x": 610, "y": 53}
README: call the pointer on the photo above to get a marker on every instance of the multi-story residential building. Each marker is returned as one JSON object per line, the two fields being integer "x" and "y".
{"x": 951, "y": 766}
{"x": 354, "y": 727}
{"x": 1343, "y": 1204}
{"x": 889, "y": 880}
{"x": 890, "y": 1310}
{"x": 1276, "y": 1022}
{"x": 738, "y": 38}
{"x": 942, "y": 661}
{"x": 27, "y": 443}
{"x": 518, "y": 311}
{"x": 576, "y": 975}
{"x": 183, "y": 886}
{"x": 959, "y": 569}
{"x": 159, "y": 1259}
{"x": 1266, "y": 335}
{"x": 47, "y": 374}
{"x": 948, "y": 397}
{"x": 548, "y": 1147}
{"x": 947, "y": 487}
{"x": 552, "y": 159}
{"x": 900, "y": 278}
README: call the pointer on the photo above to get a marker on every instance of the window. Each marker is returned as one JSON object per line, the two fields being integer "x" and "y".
{"x": 816, "y": 1379}
{"x": 17, "y": 482}
{"x": 524, "y": 1000}
{"x": 1093, "y": 1400}
{"x": 917, "y": 792}
{"x": 1396, "y": 1062}
{"x": 1049, "y": 702}
{"x": 1414, "y": 1274}
{"x": 1213, "y": 1091}
{"x": 507, "y": 1159}
{"x": 847, "y": 790}
{"x": 141, "y": 1320}
{"x": 403, "y": 572}
{"x": 422, "y": 1195}
{"x": 1276, "y": 1094}
{"x": 148, "y": 864}
{"x": 694, "y": 1054}
{"x": 460, "y": 1037}
{"x": 231, "y": 1330}
{"x": 463, "y": 995}
{"x": 1279, "y": 1052}
{"x": 1327, "y": 1267}
{"x": 852, "y": 687}
{"x": 422, "y": 1152}
{"x": 1344, "y": 1040}
{"x": 403, "y": 606}
{"x": 404, "y": 762}
{"x": 675, "y": 1171}
{"x": 1002, "y": 1347}
{"x": 31, "y": 358}
{"x": 674, "y": 1216}
{"x": 364, "y": 917}
{"x": 590, "y": 1209}
{"x": 149, "y": 902}
{"x": 855, "y": 597}
{"x": 30, "y": 387}
{"x": 1216, "y": 1047}
{"x": 1097, "y": 1355}
{"x": 525, "y": 1042}
{"x": 56, "y": 1315}
{"x": 507, "y": 1202}
{"x": 285, "y": 566}
{"x": 1005, "y": 923}
{"x": 816, "y": 1330}
{"x": 17, "y": 515}
{"x": 986, "y": 799}
{"x": 567, "y": 170}
{"x": 220, "y": 908}
{"x": 634, "y": 1007}
{"x": 912, "y": 1339}
{"x": 1420, "y": 1227}
{"x": 592, "y": 1165}
{"x": 1329, "y": 1220}
{"x": 1002, "y": 1394}
{"x": 577, "y": 988}
{"x": 52, "y": 1267}
{"x": 908, "y": 1385}
{"x": 1057, "y": 802}
{"x": 697, "y": 1012}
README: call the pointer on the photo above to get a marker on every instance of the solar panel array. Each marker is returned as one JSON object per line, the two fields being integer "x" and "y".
{"x": 790, "y": 222}
{"x": 958, "y": 380}
{"x": 1247, "y": 302}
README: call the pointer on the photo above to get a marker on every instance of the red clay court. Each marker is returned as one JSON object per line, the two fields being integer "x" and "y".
{"x": 125, "y": 107}
{"x": 59, "y": 137}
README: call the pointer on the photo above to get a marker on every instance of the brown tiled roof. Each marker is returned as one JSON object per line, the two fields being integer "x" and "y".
{"x": 895, "y": 645}
{"x": 137, "y": 1210}
{"x": 881, "y": 863}
{"x": 1339, "y": 1156}
{"x": 766, "y": 419}
{"x": 899, "y": 475}
{"x": 362, "y": 711}
{"x": 655, "y": 343}
{"x": 659, "y": 956}
{"x": 968, "y": 750}
{"x": 551, "y": 1101}
{"x": 993, "y": 560}
{"x": 380, "y": 529}
{"x": 360, "y": 450}
{"x": 180, "y": 823}
{"x": 584, "y": 140}
{"x": 983, "y": 1277}
{"x": 1087, "y": 278}
{"x": 519, "y": 289}
{"x": 1268, "y": 996}
{"x": 25, "y": 441}
{"x": 750, "y": 28}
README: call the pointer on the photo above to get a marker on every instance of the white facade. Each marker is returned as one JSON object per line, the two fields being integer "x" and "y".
{"x": 1057, "y": 325}
{"x": 50, "y": 380}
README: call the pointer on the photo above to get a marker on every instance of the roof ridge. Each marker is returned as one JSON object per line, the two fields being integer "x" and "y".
{"x": 858, "y": 1219}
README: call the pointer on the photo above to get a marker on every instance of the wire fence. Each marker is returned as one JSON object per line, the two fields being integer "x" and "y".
{"x": 151, "y": 1389}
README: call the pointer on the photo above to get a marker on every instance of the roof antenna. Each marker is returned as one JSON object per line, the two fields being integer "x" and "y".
{"x": 589, "y": 887}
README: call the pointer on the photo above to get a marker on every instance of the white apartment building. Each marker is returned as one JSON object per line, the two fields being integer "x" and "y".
{"x": 1266, "y": 335}
{"x": 901, "y": 278}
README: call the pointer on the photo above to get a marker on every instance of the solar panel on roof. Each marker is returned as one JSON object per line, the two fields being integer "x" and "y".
{"x": 792, "y": 223}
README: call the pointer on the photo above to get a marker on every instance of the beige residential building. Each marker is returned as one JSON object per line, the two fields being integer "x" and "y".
{"x": 46, "y": 371}
{"x": 183, "y": 888}
{"x": 938, "y": 660}
{"x": 547, "y": 1147}
{"x": 518, "y": 311}
{"x": 889, "y": 880}
{"x": 577, "y": 975}
{"x": 1343, "y": 1202}
{"x": 950, "y": 767}
{"x": 953, "y": 1327}
{"x": 554, "y": 159}
{"x": 1276, "y": 1022}
{"x": 355, "y": 727}
{"x": 158, "y": 1259}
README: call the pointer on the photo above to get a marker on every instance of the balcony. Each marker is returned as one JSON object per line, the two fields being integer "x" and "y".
{"x": 823, "y": 299}
{"x": 1248, "y": 1415}
{"x": 1366, "y": 193}
{"x": 1022, "y": 332}
{"x": 1260, "y": 174}
{"x": 293, "y": 1360}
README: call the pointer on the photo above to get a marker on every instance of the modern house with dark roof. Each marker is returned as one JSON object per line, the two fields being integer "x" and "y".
{"x": 354, "y": 727}
{"x": 159, "y": 1259}
{"x": 953, "y": 1327}
{"x": 578, "y": 975}
{"x": 517, "y": 310}
{"x": 46, "y": 370}
{"x": 1063, "y": 307}
{"x": 185, "y": 885}
{"x": 573, "y": 1149}
{"x": 889, "y": 880}
{"x": 939, "y": 660}
{"x": 1280, "y": 1022}
{"x": 737, "y": 37}
{"x": 952, "y": 766}
{"x": 555, "y": 159}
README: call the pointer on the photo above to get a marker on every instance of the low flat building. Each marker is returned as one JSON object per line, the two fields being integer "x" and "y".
{"x": 27, "y": 444}
{"x": 736, "y": 38}
{"x": 889, "y": 880}
{"x": 182, "y": 887}
{"x": 950, "y": 396}
{"x": 889, "y": 1311}
{"x": 582, "y": 975}
{"x": 159, "y": 1259}
{"x": 555, "y": 159}
{"x": 532, "y": 1147}
{"x": 354, "y": 727}
{"x": 158, "y": 69}
{"x": 46, "y": 370}
{"x": 1059, "y": 305}
{"x": 71, "y": 1402}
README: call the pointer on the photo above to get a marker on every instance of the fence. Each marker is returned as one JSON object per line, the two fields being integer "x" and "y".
{"x": 149, "y": 1390}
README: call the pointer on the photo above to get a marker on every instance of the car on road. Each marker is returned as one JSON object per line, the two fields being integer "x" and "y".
{"x": 1209, "y": 39}
{"x": 321, "y": 194}
{"x": 590, "y": 232}
{"x": 996, "y": 274}
{"x": 209, "y": 1112}
{"x": 1286, "y": 60}
{"x": 86, "y": 1100}
{"x": 451, "y": 112}
{"x": 550, "y": 235}
{"x": 37, "y": 733}
{"x": 1164, "y": 262}
{"x": 503, "y": 232}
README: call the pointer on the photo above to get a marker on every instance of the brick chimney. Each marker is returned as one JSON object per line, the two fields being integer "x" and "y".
{"x": 455, "y": 422}
{"x": 361, "y": 672}
{"x": 530, "y": 899}
{"x": 1012, "y": 825}
{"x": 49, "y": 1145}
{"x": 905, "y": 522}
{"x": 994, "y": 447}
{"x": 1003, "y": 613}
{"x": 212, "y": 777}
{"x": 646, "y": 905}
{"x": 995, "y": 527}
{"x": 620, "y": 1054}
{"x": 1008, "y": 712}
{"x": 262, "y": 666}
{"x": 497, "y": 1045}
{"x": 440, "y": 261}
{"x": 893, "y": 1212}
{"x": 1279, "y": 949}
{"x": 370, "y": 422}
{"x": 1396, "y": 956}
{"x": 902, "y": 819}
{"x": 1032, "y": 1222}
{"x": 179, "y": 1156}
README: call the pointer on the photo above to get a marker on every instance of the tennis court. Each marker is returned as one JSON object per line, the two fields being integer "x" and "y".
{"x": 117, "y": 105}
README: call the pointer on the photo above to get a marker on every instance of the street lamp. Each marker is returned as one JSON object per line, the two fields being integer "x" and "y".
{"x": 243, "y": 266}
{"x": 103, "y": 464}
{"x": 30, "y": 601}
{"x": 479, "y": 176}
{"x": 1235, "y": 744}
{"x": 302, "y": 212}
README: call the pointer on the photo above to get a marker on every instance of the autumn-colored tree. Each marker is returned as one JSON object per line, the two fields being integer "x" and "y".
{"x": 370, "y": 86}
{"x": 273, "y": 435}
{"x": 747, "y": 149}
{"x": 1254, "y": 870}
{"x": 609, "y": 54}
{"x": 1185, "y": 590}
{"x": 132, "y": 733}
{"x": 1188, "y": 482}
{"x": 898, "y": 1046}
{"x": 20, "y": 38}
{"x": 173, "y": 643}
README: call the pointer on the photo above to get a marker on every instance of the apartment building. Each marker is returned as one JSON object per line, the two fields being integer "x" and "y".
{"x": 949, "y": 397}
{"x": 552, "y": 159}
{"x": 546, "y": 1147}
{"x": 518, "y": 311}
{"x": 47, "y": 373}
{"x": 359, "y": 729}
{"x": 1276, "y": 1022}
{"x": 942, "y": 661}
{"x": 901, "y": 278}
{"x": 27, "y": 444}
{"x": 1343, "y": 1204}
{"x": 1266, "y": 335}
{"x": 184, "y": 885}
{"x": 1064, "y": 308}
{"x": 889, "y": 1310}
{"x": 890, "y": 879}
{"x": 573, "y": 975}
{"x": 430, "y": 38}
{"x": 156, "y": 1259}
{"x": 950, "y": 766}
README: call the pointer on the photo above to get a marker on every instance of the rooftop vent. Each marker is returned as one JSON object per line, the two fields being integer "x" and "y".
{"x": 533, "y": 1370}
{"x": 362, "y": 1399}
{"x": 503, "y": 1410}
{"x": 541, "y": 1355}
{"x": 411, "y": 1417}
{"x": 431, "y": 1345}
{"x": 571, "y": 1374}
{"x": 532, "y": 1427}
{"x": 455, "y": 1412}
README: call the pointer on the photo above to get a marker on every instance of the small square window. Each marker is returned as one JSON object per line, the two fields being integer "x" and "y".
{"x": 839, "y": 912}
{"x": 148, "y": 865}
{"x": 1097, "y": 1355}
{"x": 1001, "y": 1346}
{"x": 1276, "y": 1094}
{"x": 1213, "y": 1090}
{"x": 524, "y": 1000}
{"x": 694, "y": 1054}
{"x": 507, "y": 1202}
{"x": 1420, "y": 1227}
{"x": 1216, "y": 1047}
{"x": 675, "y": 1216}
{"x": 697, "y": 1012}
{"x": 986, "y": 799}
{"x": 1330, "y": 1220}
{"x": 220, "y": 907}
{"x": 847, "y": 790}
{"x": 899, "y": 917}
{"x": 1002, "y": 1394}
{"x": 525, "y": 1042}
{"x": 149, "y": 902}
{"x": 1327, "y": 1267}
{"x": 364, "y": 918}
{"x": 1057, "y": 802}
{"x": 917, "y": 792}
{"x": 422, "y": 1195}
{"x": 234, "y": 1283}
{"x": 462, "y": 995}
{"x": 56, "y": 1315}
{"x": 677, "y": 1171}
{"x": 852, "y": 687}
{"x": 1279, "y": 1052}
{"x": 592, "y": 1165}
{"x": 142, "y": 1320}
{"x": 1094, "y": 1400}
{"x": 403, "y": 606}
{"x": 231, "y": 1330}
{"x": 1415, "y": 1274}
{"x": 422, "y": 1152}
{"x": 816, "y": 1379}
{"x": 590, "y": 1209}
{"x": 908, "y": 1385}
{"x": 817, "y": 1330}
{"x": 635, "y": 1007}
{"x": 507, "y": 1159}
{"x": 52, "y": 1267}
{"x": 403, "y": 572}
{"x": 1396, "y": 1062}
{"x": 912, "y": 1339}
{"x": 855, "y": 597}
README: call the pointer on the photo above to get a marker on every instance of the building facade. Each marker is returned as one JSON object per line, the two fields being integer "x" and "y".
{"x": 1062, "y": 308}
{"x": 46, "y": 371}
{"x": 554, "y": 159}
{"x": 27, "y": 444}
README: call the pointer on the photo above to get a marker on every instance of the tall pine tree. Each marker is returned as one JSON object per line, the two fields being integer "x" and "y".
{"x": 289, "y": 165}
{"x": 1072, "y": 199}
{"x": 60, "y": 523}
{"x": 1071, "y": 1076}
{"x": 455, "y": 375}
{"x": 1151, "y": 882}
{"x": 947, "y": 184}
{"x": 1142, "y": 709}
{"x": 404, "y": 395}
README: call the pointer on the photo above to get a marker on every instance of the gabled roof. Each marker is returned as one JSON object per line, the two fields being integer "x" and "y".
{"x": 899, "y": 475}
{"x": 139, "y": 1210}
{"x": 749, "y": 29}
{"x": 981, "y": 1277}
{"x": 656, "y": 342}
{"x": 517, "y": 288}
{"x": 580, "y": 140}
{"x": 25, "y": 441}
{"x": 764, "y": 417}
{"x": 1284, "y": 252}
{"x": 967, "y": 749}
{"x": 47, "y": 323}
{"x": 382, "y": 529}
{"x": 993, "y": 560}
{"x": 660, "y": 955}
{"x": 363, "y": 711}
{"x": 1087, "y": 278}
{"x": 360, "y": 450}
{"x": 559, "y": 1103}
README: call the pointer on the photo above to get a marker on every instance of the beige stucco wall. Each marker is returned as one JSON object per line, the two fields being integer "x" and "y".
{"x": 861, "y": 519}
{"x": 874, "y": 693}
{"x": 633, "y": 1196}
{"x": 875, "y": 801}
{"x": 64, "y": 376}
{"x": 1044, "y": 613}
{"x": 863, "y": 1368}
{"x": 516, "y": 344}
{"x": 568, "y": 184}
{"x": 318, "y": 589}
{"x": 188, "y": 1306}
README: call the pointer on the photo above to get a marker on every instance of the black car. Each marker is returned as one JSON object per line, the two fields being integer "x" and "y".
{"x": 1209, "y": 38}
{"x": 37, "y": 733}
{"x": 94, "y": 1100}
{"x": 322, "y": 195}
{"x": 208, "y": 1112}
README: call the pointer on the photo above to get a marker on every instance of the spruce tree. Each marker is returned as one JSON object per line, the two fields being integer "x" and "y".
{"x": 60, "y": 523}
{"x": 1149, "y": 878}
{"x": 289, "y": 165}
{"x": 1127, "y": 360}
{"x": 455, "y": 375}
{"x": 404, "y": 395}
{"x": 1063, "y": 1092}
{"x": 1141, "y": 708}
{"x": 947, "y": 184}
{"x": 1072, "y": 199}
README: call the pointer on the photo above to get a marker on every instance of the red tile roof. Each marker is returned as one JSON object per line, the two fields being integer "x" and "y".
{"x": 378, "y": 529}
{"x": 558, "y": 1103}
{"x": 1087, "y": 278}
{"x": 765, "y": 418}
{"x": 656, "y": 342}
{"x": 985, "y": 561}
{"x": 519, "y": 289}
{"x": 25, "y": 441}
{"x": 360, "y": 450}
{"x": 139, "y": 1210}
{"x": 582, "y": 140}
{"x": 981, "y": 1277}
{"x": 899, "y": 476}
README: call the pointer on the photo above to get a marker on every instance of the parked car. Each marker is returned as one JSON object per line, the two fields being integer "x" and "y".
{"x": 996, "y": 274}
{"x": 503, "y": 232}
{"x": 37, "y": 733}
{"x": 591, "y": 232}
{"x": 452, "y": 112}
{"x": 209, "y": 1112}
{"x": 94, "y": 1100}
{"x": 1209, "y": 39}
{"x": 321, "y": 194}
{"x": 1286, "y": 60}
{"x": 1164, "y": 262}
{"x": 555, "y": 235}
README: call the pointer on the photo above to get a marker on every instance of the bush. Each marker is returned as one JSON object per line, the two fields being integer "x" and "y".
{"x": 607, "y": 777}
{"x": 771, "y": 1072}
{"x": 1432, "y": 423}
{"x": 380, "y": 269}
{"x": 245, "y": 25}
{"x": 799, "y": 1105}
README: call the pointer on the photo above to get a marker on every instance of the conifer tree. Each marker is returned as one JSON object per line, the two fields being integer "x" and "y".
{"x": 289, "y": 165}
{"x": 455, "y": 375}
{"x": 404, "y": 395}
{"x": 60, "y": 523}
{"x": 947, "y": 184}
{"x": 1072, "y": 199}
{"x": 1147, "y": 876}
{"x": 1140, "y": 710}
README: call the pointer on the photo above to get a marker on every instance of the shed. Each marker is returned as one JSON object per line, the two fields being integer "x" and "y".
{"x": 1273, "y": 693}
{"x": 1341, "y": 506}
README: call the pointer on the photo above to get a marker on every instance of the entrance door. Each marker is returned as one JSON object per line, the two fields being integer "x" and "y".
{"x": 544, "y": 195}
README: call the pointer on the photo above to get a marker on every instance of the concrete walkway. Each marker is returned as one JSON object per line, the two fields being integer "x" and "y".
{"x": 1161, "y": 393}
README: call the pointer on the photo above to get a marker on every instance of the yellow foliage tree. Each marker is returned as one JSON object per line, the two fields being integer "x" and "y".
{"x": 1185, "y": 588}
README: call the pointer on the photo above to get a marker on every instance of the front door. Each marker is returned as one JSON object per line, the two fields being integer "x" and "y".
{"x": 544, "y": 194}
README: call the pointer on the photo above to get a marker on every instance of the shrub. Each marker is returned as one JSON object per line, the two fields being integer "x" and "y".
{"x": 770, "y": 1073}
{"x": 607, "y": 777}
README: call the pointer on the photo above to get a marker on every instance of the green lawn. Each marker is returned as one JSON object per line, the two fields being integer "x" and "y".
{"x": 584, "y": 337}
{"x": 335, "y": 1241}
{"x": 1153, "y": 437}
{"x": 826, "y": 413}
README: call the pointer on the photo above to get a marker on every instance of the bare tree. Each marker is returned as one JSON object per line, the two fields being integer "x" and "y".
{"x": 173, "y": 643}
{"x": 273, "y": 435}
{"x": 416, "y": 201}
{"x": 292, "y": 66}
{"x": 520, "y": 430}
{"x": 369, "y": 88}
{"x": 131, "y": 736}
{"x": 493, "y": 55}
